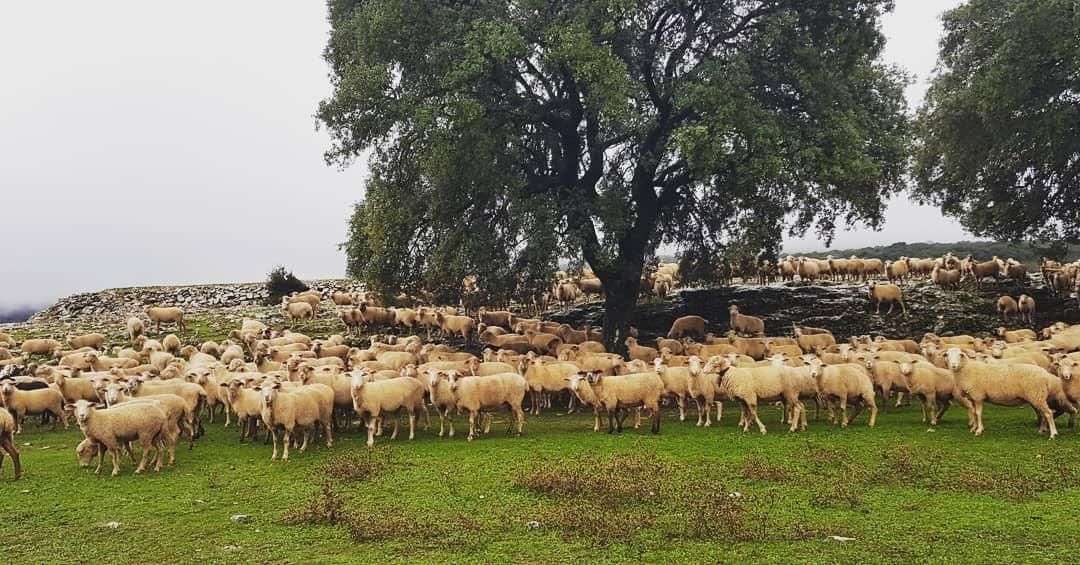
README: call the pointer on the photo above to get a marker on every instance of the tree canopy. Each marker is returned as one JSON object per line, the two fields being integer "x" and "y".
{"x": 1000, "y": 129}
{"x": 509, "y": 134}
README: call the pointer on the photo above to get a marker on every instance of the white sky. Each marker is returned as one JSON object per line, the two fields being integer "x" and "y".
{"x": 161, "y": 143}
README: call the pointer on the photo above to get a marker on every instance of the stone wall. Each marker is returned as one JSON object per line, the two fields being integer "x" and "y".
{"x": 117, "y": 302}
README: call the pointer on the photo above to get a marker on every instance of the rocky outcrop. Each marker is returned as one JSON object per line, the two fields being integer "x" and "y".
{"x": 119, "y": 302}
{"x": 844, "y": 309}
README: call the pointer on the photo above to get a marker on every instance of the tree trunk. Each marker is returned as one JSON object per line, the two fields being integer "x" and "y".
{"x": 620, "y": 298}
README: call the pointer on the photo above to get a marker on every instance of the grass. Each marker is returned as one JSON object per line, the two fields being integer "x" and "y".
{"x": 562, "y": 493}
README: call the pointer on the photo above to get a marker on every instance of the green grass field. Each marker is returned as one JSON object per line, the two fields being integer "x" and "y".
{"x": 903, "y": 492}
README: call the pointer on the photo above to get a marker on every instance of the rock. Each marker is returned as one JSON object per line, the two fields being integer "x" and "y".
{"x": 240, "y": 518}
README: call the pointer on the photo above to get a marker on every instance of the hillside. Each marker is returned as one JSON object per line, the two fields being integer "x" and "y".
{"x": 1030, "y": 254}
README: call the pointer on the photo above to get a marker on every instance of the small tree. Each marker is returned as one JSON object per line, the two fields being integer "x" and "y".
{"x": 281, "y": 282}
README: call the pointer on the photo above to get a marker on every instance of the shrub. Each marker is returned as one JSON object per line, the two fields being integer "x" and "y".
{"x": 281, "y": 282}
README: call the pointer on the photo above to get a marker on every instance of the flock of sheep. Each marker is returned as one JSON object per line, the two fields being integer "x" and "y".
{"x": 158, "y": 392}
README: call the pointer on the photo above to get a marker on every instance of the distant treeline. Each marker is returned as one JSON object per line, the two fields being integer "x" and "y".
{"x": 1028, "y": 253}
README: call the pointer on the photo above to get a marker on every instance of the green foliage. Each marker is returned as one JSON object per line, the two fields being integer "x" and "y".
{"x": 281, "y": 282}
{"x": 508, "y": 135}
{"x": 1030, "y": 254}
{"x": 998, "y": 132}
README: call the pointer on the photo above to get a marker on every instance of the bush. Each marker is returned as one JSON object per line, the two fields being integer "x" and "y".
{"x": 281, "y": 282}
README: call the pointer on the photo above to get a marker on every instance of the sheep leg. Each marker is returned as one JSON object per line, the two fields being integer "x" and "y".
{"x": 719, "y": 412}
{"x": 442, "y": 420}
{"x": 287, "y": 436}
{"x": 8, "y": 444}
{"x": 596, "y": 418}
{"x": 307, "y": 436}
{"x": 397, "y": 424}
{"x": 655, "y": 429}
{"x": 802, "y": 415}
{"x": 793, "y": 415}
{"x": 978, "y": 417}
{"x": 899, "y": 398}
{"x": 570, "y": 406}
{"x": 273, "y": 433}
{"x": 427, "y": 417}
{"x": 519, "y": 415}
{"x": 486, "y": 417}
{"x": 1048, "y": 418}
{"x": 637, "y": 417}
{"x": 412, "y": 425}
{"x": 752, "y": 409}
{"x": 873, "y": 409}
{"x": 843, "y": 411}
{"x": 611, "y": 422}
{"x": 115, "y": 454}
{"x": 700, "y": 417}
{"x": 472, "y": 425}
{"x": 682, "y": 408}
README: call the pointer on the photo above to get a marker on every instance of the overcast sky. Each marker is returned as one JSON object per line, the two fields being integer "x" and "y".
{"x": 162, "y": 143}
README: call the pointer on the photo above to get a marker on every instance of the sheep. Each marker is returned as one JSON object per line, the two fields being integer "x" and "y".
{"x": 845, "y": 382}
{"x": 41, "y": 347}
{"x": 299, "y": 311}
{"x": 661, "y": 287}
{"x": 644, "y": 353}
{"x": 1016, "y": 336}
{"x": 456, "y": 325}
{"x": 544, "y": 377}
{"x": 135, "y": 328}
{"x": 171, "y": 343}
{"x": 7, "y": 442}
{"x": 1026, "y": 304}
{"x": 171, "y": 315}
{"x": 502, "y": 318}
{"x": 1007, "y": 305}
{"x": 193, "y": 395}
{"x": 808, "y": 269}
{"x": 1005, "y": 385}
{"x": 772, "y": 348}
{"x": 476, "y": 394}
{"x": 992, "y": 268}
{"x": 673, "y": 345}
{"x": 945, "y": 278}
{"x": 678, "y": 382}
{"x": 872, "y": 267}
{"x": 745, "y": 324}
{"x": 889, "y": 293}
{"x": 605, "y": 363}
{"x": 613, "y": 394}
{"x": 799, "y": 376}
{"x": 176, "y": 412}
{"x": 7, "y": 341}
{"x": 809, "y": 343}
{"x": 22, "y": 402}
{"x": 749, "y": 386}
{"x": 934, "y": 385}
{"x": 572, "y": 336}
{"x": 886, "y": 377}
{"x": 94, "y": 340}
{"x": 311, "y": 298}
{"x": 897, "y": 271}
{"x": 373, "y": 398}
{"x": 245, "y": 402}
{"x": 113, "y": 428}
{"x": 288, "y": 410}
{"x": 344, "y": 298}
{"x": 75, "y": 388}
{"x": 688, "y": 326}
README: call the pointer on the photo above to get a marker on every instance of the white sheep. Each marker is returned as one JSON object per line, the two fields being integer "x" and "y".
{"x": 1005, "y": 385}
{"x": 135, "y": 328}
{"x": 752, "y": 385}
{"x": 547, "y": 377}
{"x": 167, "y": 315}
{"x": 614, "y": 394}
{"x": 115, "y": 427}
{"x": 289, "y": 412}
{"x": 844, "y": 383}
{"x": 33, "y": 402}
{"x": 373, "y": 398}
{"x": 476, "y": 394}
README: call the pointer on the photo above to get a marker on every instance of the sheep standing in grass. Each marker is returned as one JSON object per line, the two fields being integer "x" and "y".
{"x": 371, "y": 399}
{"x": 615, "y": 394}
{"x": 889, "y": 293}
{"x": 935, "y": 386}
{"x": 41, "y": 347}
{"x": 288, "y": 412}
{"x": 94, "y": 340}
{"x": 166, "y": 315}
{"x": 477, "y": 394}
{"x": 1005, "y": 385}
{"x": 753, "y": 385}
{"x": 844, "y": 383}
{"x": 33, "y": 402}
{"x": 743, "y": 324}
{"x": 115, "y": 427}
{"x": 7, "y": 442}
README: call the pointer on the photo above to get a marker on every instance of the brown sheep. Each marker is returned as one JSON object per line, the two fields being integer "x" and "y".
{"x": 1007, "y": 305}
{"x": 688, "y": 326}
{"x": 94, "y": 340}
{"x": 886, "y": 293}
{"x": 741, "y": 323}
{"x": 1027, "y": 309}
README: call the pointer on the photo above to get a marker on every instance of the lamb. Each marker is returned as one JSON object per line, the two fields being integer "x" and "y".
{"x": 749, "y": 386}
{"x": 889, "y": 293}
{"x": 456, "y": 325}
{"x": 845, "y": 382}
{"x": 41, "y": 347}
{"x": 644, "y": 353}
{"x": 476, "y": 394}
{"x": 745, "y": 324}
{"x": 613, "y": 394}
{"x": 289, "y": 410}
{"x": 167, "y": 315}
{"x": 688, "y": 326}
{"x": 22, "y": 402}
{"x": 442, "y": 398}
{"x": 1027, "y": 309}
{"x": 373, "y": 398}
{"x": 1005, "y": 385}
{"x": 1007, "y": 305}
{"x": 94, "y": 340}
{"x": 7, "y": 442}
{"x": 115, "y": 427}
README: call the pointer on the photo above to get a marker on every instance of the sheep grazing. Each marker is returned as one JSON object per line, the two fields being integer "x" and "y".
{"x": 1007, "y": 305}
{"x": 1026, "y": 304}
{"x": 113, "y": 428}
{"x": 614, "y": 394}
{"x": 135, "y": 328}
{"x": 476, "y": 394}
{"x": 33, "y": 402}
{"x": 41, "y": 347}
{"x": 1005, "y": 385}
{"x": 743, "y": 324}
{"x": 298, "y": 310}
{"x": 373, "y": 398}
{"x": 688, "y": 326}
{"x": 7, "y": 442}
{"x": 167, "y": 315}
{"x": 889, "y": 293}
{"x": 94, "y": 340}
